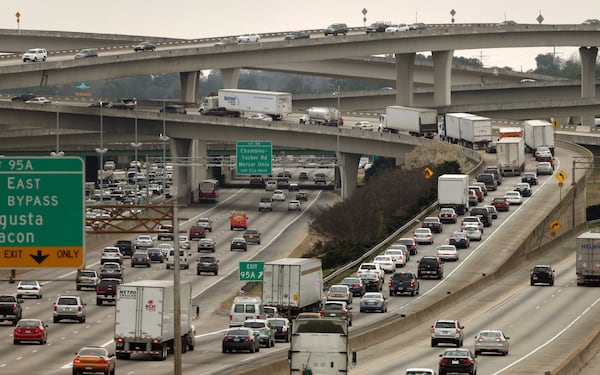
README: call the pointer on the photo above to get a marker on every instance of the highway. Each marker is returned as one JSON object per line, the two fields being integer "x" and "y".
{"x": 212, "y": 293}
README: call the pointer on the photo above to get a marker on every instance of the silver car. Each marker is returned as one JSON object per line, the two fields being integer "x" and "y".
{"x": 69, "y": 307}
{"x": 373, "y": 301}
{"x": 491, "y": 341}
{"x": 544, "y": 167}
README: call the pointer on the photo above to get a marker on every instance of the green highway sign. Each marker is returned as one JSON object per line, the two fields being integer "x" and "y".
{"x": 251, "y": 271}
{"x": 42, "y": 218}
{"x": 253, "y": 157}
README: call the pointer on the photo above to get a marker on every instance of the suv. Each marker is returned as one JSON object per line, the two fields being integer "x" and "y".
{"x": 35, "y": 54}
{"x": 377, "y": 27}
{"x": 106, "y": 291}
{"x": 69, "y": 307}
{"x": 336, "y": 28}
{"x": 206, "y": 223}
{"x": 489, "y": 180}
{"x": 207, "y": 264}
{"x": 183, "y": 259}
{"x": 447, "y": 331}
{"x": 495, "y": 171}
{"x": 430, "y": 266}
{"x": 404, "y": 282}
{"x": 542, "y": 274}
{"x": 265, "y": 203}
{"x": 484, "y": 215}
{"x": 111, "y": 254}
{"x": 87, "y": 279}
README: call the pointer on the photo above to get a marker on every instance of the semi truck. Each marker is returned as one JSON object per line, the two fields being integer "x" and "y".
{"x": 320, "y": 346}
{"x": 538, "y": 133}
{"x": 510, "y": 152}
{"x": 293, "y": 285}
{"x": 145, "y": 318}
{"x": 328, "y": 116}
{"x": 587, "y": 258}
{"x": 453, "y": 192}
{"x": 420, "y": 122}
{"x": 468, "y": 130}
{"x": 272, "y": 103}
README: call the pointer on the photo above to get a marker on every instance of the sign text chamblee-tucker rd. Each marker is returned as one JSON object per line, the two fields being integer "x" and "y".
{"x": 42, "y": 220}
{"x": 254, "y": 157}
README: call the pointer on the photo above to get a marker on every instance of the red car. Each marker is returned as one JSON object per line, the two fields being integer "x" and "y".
{"x": 30, "y": 330}
{"x": 500, "y": 203}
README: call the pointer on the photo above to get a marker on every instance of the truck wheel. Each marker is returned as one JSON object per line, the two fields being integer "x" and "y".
{"x": 78, "y": 287}
{"x": 55, "y": 320}
{"x": 184, "y": 344}
{"x": 98, "y": 302}
{"x": 164, "y": 353}
{"x": 123, "y": 355}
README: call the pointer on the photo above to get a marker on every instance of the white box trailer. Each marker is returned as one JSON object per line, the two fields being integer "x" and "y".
{"x": 293, "y": 285}
{"x": 272, "y": 103}
{"x": 452, "y": 126}
{"x": 145, "y": 318}
{"x": 538, "y": 133}
{"x": 411, "y": 120}
{"x": 453, "y": 192}
{"x": 587, "y": 258}
{"x": 475, "y": 131}
{"x": 510, "y": 152}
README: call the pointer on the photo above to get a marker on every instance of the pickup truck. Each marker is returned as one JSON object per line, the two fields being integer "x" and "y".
{"x": 404, "y": 282}
{"x": 106, "y": 291}
{"x": 10, "y": 308}
{"x": 221, "y": 112}
{"x": 126, "y": 247}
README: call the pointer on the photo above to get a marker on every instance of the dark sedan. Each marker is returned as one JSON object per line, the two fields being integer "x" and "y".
{"x": 355, "y": 285}
{"x": 239, "y": 244}
{"x": 207, "y": 264}
{"x": 155, "y": 255}
{"x": 207, "y": 244}
{"x": 297, "y": 35}
{"x": 241, "y": 338}
{"x": 283, "y": 330}
{"x": 459, "y": 361}
{"x": 524, "y": 189}
{"x": 144, "y": 46}
{"x": 529, "y": 177}
{"x": 140, "y": 258}
{"x": 23, "y": 97}
{"x": 372, "y": 282}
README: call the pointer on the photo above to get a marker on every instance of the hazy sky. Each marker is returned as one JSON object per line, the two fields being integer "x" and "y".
{"x": 203, "y": 18}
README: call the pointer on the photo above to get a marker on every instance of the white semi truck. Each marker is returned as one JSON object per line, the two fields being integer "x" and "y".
{"x": 320, "y": 346}
{"x": 145, "y": 318}
{"x": 453, "y": 192}
{"x": 538, "y": 133}
{"x": 468, "y": 130}
{"x": 328, "y": 116}
{"x": 293, "y": 285}
{"x": 587, "y": 258}
{"x": 272, "y": 103}
{"x": 410, "y": 120}
{"x": 510, "y": 152}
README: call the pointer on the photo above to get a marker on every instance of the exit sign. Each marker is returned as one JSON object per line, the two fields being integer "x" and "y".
{"x": 251, "y": 271}
{"x": 42, "y": 219}
{"x": 253, "y": 157}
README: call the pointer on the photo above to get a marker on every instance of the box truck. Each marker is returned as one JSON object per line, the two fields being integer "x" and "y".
{"x": 538, "y": 133}
{"x": 145, "y": 318}
{"x": 293, "y": 285}
{"x": 453, "y": 192}
{"x": 328, "y": 116}
{"x": 475, "y": 131}
{"x": 320, "y": 346}
{"x": 510, "y": 152}
{"x": 410, "y": 120}
{"x": 587, "y": 258}
{"x": 272, "y": 103}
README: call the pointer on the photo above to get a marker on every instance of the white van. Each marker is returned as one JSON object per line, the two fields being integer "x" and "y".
{"x": 184, "y": 261}
{"x": 244, "y": 308}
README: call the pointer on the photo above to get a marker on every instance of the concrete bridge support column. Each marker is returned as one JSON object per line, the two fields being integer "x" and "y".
{"x": 405, "y": 63}
{"x": 197, "y": 173}
{"x": 231, "y": 77}
{"x": 588, "y": 57}
{"x": 180, "y": 147}
{"x": 442, "y": 77}
{"x": 348, "y": 169}
{"x": 189, "y": 86}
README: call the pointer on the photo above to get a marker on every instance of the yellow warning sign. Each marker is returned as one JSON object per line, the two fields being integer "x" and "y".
{"x": 561, "y": 176}
{"x": 555, "y": 226}
{"x": 427, "y": 173}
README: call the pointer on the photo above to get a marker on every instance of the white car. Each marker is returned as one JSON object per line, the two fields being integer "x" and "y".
{"x": 35, "y": 54}
{"x": 397, "y": 27}
{"x": 472, "y": 219}
{"x": 184, "y": 242}
{"x": 370, "y": 268}
{"x": 261, "y": 116}
{"x": 423, "y": 235}
{"x": 165, "y": 249}
{"x": 365, "y": 125}
{"x": 513, "y": 197}
{"x": 144, "y": 241}
{"x": 385, "y": 262}
{"x": 294, "y": 205}
{"x": 29, "y": 288}
{"x": 271, "y": 185}
{"x": 248, "y": 38}
{"x": 447, "y": 252}
{"x": 38, "y": 100}
{"x": 542, "y": 151}
{"x": 397, "y": 256}
{"x": 278, "y": 195}
{"x": 111, "y": 254}
{"x": 473, "y": 232}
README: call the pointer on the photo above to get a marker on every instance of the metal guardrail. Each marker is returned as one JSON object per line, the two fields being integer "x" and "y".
{"x": 472, "y": 155}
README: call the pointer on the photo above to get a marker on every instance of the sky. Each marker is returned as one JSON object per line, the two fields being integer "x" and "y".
{"x": 201, "y": 18}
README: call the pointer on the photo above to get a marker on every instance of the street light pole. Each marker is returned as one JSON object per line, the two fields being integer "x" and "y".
{"x": 101, "y": 150}
{"x": 58, "y": 152}
{"x": 136, "y": 145}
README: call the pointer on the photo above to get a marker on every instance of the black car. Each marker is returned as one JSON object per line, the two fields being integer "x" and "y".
{"x": 372, "y": 282}
{"x": 543, "y": 274}
{"x": 221, "y": 112}
{"x": 303, "y": 176}
{"x": 457, "y": 361}
{"x": 524, "y": 189}
{"x": 140, "y": 259}
{"x": 283, "y": 330}
{"x": 241, "y": 338}
{"x": 23, "y": 97}
{"x": 336, "y": 29}
{"x": 355, "y": 284}
{"x": 207, "y": 264}
{"x": 529, "y": 177}
{"x": 239, "y": 244}
{"x": 173, "y": 108}
{"x": 484, "y": 215}
{"x": 100, "y": 103}
{"x": 125, "y": 246}
{"x": 430, "y": 266}
{"x": 377, "y": 27}
{"x": 491, "y": 148}
{"x": 144, "y": 46}
{"x": 155, "y": 255}
{"x": 301, "y": 196}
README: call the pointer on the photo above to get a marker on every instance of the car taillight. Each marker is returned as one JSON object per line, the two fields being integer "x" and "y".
{"x": 432, "y": 330}
{"x": 79, "y": 308}
{"x": 412, "y": 283}
{"x": 20, "y": 288}
{"x": 102, "y": 360}
{"x": 444, "y": 360}
{"x": 249, "y": 339}
{"x": 225, "y": 338}
{"x": 499, "y": 339}
{"x": 480, "y": 339}
{"x": 458, "y": 330}
{"x": 54, "y": 307}
{"x": 344, "y": 312}
{"x": 284, "y": 329}
{"x": 119, "y": 339}
{"x": 14, "y": 308}
{"x": 467, "y": 361}
{"x": 230, "y": 318}
{"x": 390, "y": 282}
{"x": 321, "y": 312}
{"x": 77, "y": 360}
